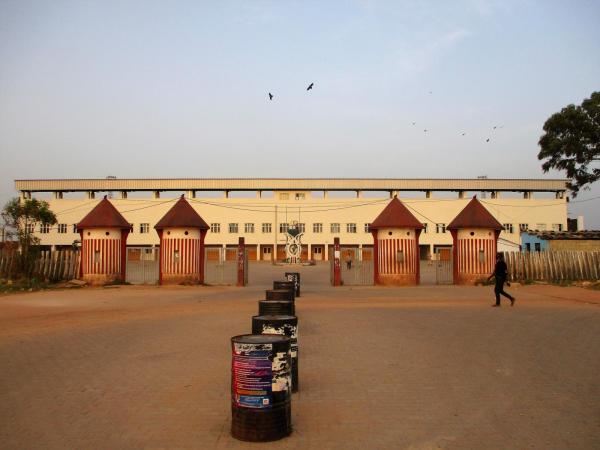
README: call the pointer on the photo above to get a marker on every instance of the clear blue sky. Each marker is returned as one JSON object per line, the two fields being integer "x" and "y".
{"x": 171, "y": 89}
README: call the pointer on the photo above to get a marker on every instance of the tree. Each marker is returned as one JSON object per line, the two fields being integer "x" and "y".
{"x": 572, "y": 142}
{"x": 21, "y": 219}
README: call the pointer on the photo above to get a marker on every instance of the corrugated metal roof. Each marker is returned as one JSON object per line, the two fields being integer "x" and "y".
{"x": 270, "y": 184}
{"x": 474, "y": 215}
{"x": 567, "y": 235}
{"x": 104, "y": 215}
{"x": 182, "y": 215}
{"x": 396, "y": 215}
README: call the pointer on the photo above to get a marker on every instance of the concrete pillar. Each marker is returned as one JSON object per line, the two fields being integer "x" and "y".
{"x": 257, "y": 252}
{"x": 326, "y": 255}
{"x": 274, "y": 254}
{"x": 309, "y": 251}
{"x": 258, "y": 194}
{"x": 91, "y": 195}
{"x": 58, "y": 195}
{"x": 495, "y": 194}
{"x": 560, "y": 195}
{"x": 461, "y": 194}
{"x": 360, "y": 252}
{"x": 359, "y": 194}
{"x": 325, "y": 194}
{"x": 393, "y": 194}
{"x": 427, "y": 194}
{"x": 527, "y": 195}
{"x": 191, "y": 193}
{"x": 123, "y": 194}
{"x": 225, "y": 194}
{"x": 156, "y": 194}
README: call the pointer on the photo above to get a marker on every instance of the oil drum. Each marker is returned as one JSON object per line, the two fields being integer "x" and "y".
{"x": 287, "y": 325}
{"x": 280, "y": 294}
{"x": 260, "y": 387}
{"x": 275, "y": 308}
{"x": 295, "y": 278}
{"x": 284, "y": 285}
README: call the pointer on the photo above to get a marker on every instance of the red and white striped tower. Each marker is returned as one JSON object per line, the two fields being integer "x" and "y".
{"x": 181, "y": 232}
{"x": 475, "y": 234}
{"x": 103, "y": 234}
{"x": 396, "y": 245}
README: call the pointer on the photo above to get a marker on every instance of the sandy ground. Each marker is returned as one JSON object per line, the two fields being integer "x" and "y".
{"x": 417, "y": 368}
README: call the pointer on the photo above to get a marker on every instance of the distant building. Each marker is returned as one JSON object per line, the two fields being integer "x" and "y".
{"x": 536, "y": 241}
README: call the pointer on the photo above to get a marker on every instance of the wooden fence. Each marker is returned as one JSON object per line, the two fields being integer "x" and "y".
{"x": 51, "y": 266}
{"x": 553, "y": 266}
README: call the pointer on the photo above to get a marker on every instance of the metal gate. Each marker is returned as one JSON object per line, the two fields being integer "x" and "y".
{"x": 142, "y": 265}
{"x": 354, "y": 270}
{"x": 219, "y": 270}
{"x": 437, "y": 270}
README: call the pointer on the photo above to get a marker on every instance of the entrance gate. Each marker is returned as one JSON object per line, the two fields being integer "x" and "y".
{"x": 220, "y": 270}
{"x": 355, "y": 270}
{"x": 437, "y": 270}
{"x": 142, "y": 265}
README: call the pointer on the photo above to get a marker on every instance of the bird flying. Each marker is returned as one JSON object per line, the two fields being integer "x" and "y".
{"x": 487, "y": 140}
{"x": 310, "y": 86}
{"x": 464, "y": 134}
{"x": 270, "y": 96}
{"x": 414, "y": 123}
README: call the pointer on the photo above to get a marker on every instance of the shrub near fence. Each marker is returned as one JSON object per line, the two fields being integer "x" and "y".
{"x": 51, "y": 266}
{"x": 553, "y": 266}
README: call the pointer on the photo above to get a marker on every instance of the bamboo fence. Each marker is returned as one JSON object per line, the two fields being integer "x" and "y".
{"x": 53, "y": 266}
{"x": 553, "y": 266}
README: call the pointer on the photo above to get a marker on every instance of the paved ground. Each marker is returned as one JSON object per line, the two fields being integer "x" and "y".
{"x": 415, "y": 368}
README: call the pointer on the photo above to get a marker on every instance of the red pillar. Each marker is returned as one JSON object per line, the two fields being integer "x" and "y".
{"x": 81, "y": 254}
{"x": 160, "y": 256}
{"x": 417, "y": 258}
{"x": 240, "y": 262}
{"x": 375, "y": 257}
{"x": 337, "y": 274}
{"x": 454, "y": 234}
{"x": 201, "y": 274}
{"x": 124, "y": 234}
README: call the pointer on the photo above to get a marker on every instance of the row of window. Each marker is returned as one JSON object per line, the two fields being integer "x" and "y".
{"x": 523, "y": 227}
{"x": 334, "y": 228}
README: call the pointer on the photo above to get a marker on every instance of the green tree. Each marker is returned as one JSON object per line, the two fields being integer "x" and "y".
{"x": 572, "y": 143}
{"x": 21, "y": 219}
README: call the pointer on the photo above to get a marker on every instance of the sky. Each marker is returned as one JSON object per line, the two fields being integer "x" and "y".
{"x": 140, "y": 89}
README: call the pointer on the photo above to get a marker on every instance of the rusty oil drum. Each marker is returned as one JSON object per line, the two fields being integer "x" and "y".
{"x": 276, "y": 308}
{"x": 260, "y": 387}
{"x": 280, "y": 294}
{"x": 294, "y": 277}
{"x": 285, "y": 285}
{"x": 286, "y": 325}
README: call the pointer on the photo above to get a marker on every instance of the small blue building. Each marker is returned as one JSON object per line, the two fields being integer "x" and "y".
{"x": 532, "y": 241}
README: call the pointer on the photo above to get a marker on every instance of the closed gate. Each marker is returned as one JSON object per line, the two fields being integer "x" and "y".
{"x": 220, "y": 270}
{"x": 142, "y": 265}
{"x": 437, "y": 270}
{"x": 355, "y": 270}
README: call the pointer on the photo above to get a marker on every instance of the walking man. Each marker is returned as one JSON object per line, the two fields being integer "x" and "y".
{"x": 501, "y": 273}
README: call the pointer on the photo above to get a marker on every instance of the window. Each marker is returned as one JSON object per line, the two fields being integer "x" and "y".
{"x": 300, "y": 196}
{"x": 335, "y": 227}
{"x": 350, "y": 228}
{"x": 284, "y": 196}
{"x": 508, "y": 227}
{"x": 248, "y": 228}
{"x": 97, "y": 257}
{"x": 266, "y": 250}
{"x": 30, "y": 228}
{"x": 283, "y": 227}
{"x": 215, "y": 227}
{"x": 538, "y": 246}
{"x": 233, "y": 227}
{"x": 301, "y": 227}
{"x": 540, "y": 227}
{"x": 440, "y": 227}
{"x": 367, "y": 227}
{"x": 176, "y": 256}
{"x": 62, "y": 228}
{"x": 74, "y": 228}
{"x": 528, "y": 247}
{"x": 523, "y": 227}
{"x": 144, "y": 228}
{"x": 557, "y": 227}
{"x": 317, "y": 227}
{"x": 44, "y": 228}
{"x": 425, "y": 227}
{"x": 266, "y": 228}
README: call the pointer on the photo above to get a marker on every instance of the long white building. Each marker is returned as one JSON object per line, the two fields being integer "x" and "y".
{"x": 322, "y": 208}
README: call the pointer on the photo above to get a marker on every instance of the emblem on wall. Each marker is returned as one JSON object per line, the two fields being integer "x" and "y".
{"x": 293, "y": 244}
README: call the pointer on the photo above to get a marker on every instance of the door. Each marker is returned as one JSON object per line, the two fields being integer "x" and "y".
{"x": 142, "y": 265}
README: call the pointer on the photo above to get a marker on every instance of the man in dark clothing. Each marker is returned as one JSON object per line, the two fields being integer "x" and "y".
{"x": 501, "y": 273}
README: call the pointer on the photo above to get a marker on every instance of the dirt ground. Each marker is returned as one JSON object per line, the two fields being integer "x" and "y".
{"x": 413, "y": 368}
